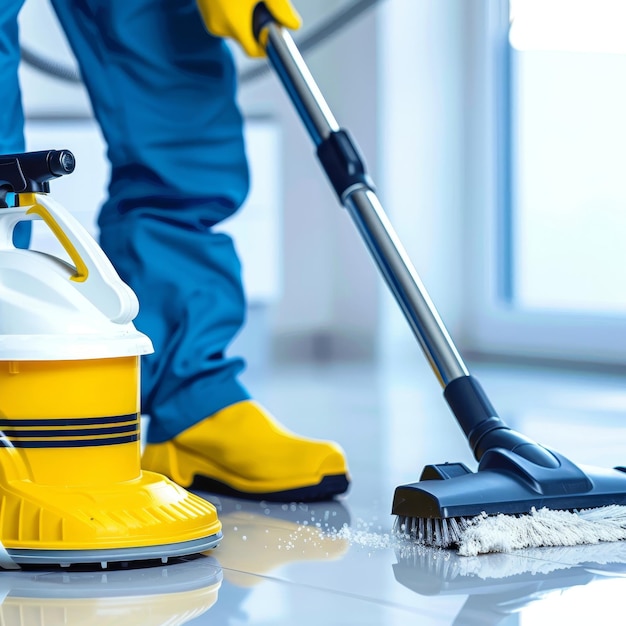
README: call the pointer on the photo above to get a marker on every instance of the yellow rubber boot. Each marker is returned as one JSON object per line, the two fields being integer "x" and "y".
{"x": 243, "y": 451}
{"x": 71, "y": 485}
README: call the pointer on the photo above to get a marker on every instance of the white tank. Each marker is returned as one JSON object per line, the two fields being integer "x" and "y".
{"x": 54, "y": 310}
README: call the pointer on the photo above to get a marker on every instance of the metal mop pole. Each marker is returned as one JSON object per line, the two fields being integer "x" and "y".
{"x": 344, "y": 166}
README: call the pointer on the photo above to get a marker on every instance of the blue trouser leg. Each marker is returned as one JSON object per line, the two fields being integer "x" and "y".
{"x": 163, "y": 91}
{"x": 11, "y": 114}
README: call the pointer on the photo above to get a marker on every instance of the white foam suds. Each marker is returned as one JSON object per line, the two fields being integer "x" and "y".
{"x": 371, "y": 536}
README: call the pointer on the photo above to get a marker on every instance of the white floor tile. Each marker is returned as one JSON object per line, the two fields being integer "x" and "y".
{"x": 337, "y": 563}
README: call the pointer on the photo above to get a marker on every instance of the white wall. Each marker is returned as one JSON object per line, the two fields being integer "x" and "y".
{"x": 421, "y": 126}
{"x": 329, "y": 285}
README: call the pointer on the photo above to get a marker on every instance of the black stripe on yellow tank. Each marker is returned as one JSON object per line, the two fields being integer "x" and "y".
{"x": 69, "y": 421}
{"x": 20, "y": 433}
{"x": 66, "y": 443}
{"x": 69, "y": 432}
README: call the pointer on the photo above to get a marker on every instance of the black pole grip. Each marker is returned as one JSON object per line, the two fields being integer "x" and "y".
{"x": 342, "y": 162}
{"x": 472, "y": 408}
{"x": 485, "y": 431}
{"x": 261, "y": 17}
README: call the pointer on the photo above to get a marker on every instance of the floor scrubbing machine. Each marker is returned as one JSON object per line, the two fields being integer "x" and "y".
{"x": 71, "y": 486}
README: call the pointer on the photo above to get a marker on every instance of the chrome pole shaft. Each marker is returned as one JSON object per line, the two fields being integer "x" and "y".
{"x": 368, "y": 214}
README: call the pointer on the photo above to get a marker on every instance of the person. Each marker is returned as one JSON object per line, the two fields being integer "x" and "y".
{"x": 162, "y": 85}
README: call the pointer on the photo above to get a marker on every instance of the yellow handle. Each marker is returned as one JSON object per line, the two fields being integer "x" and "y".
{"x": 81, "y": 267}
{"x": 93, "y": 274}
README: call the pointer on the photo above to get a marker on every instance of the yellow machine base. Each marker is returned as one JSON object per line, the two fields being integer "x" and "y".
{"x": 72, "y": 490}
{"x": 143, "y": 519}
{"x": 102, "y": 558}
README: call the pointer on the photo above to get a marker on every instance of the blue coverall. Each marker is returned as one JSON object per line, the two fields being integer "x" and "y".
{"x": 163, "y": 92}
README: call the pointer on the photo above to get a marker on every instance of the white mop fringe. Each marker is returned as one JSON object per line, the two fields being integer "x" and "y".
{"x": 543, "y": 527}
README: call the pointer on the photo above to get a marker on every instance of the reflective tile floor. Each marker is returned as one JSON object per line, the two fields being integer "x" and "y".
{"x": 336, "y": 563}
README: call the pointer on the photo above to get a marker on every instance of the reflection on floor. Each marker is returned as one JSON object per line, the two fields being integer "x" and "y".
{"x": 337, "y": 563}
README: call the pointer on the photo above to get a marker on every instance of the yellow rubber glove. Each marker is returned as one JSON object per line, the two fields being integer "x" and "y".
{"x": 233, "y": 18}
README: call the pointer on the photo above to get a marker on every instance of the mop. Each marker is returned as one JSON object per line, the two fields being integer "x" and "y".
{"x": 522, "y": 493}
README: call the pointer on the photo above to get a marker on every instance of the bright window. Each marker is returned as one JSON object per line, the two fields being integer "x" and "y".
{"x": 568, "y": 155}
{"x": 546, "y": 179}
